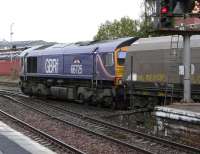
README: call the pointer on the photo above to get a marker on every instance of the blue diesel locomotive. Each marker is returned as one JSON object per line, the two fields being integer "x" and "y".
{"x": 83, "y": 71}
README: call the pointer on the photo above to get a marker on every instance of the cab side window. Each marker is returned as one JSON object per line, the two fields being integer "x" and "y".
{"x": 121, "y": 58}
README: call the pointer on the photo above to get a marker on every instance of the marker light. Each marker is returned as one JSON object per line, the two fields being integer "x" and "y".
{"x": 164, "y": 10}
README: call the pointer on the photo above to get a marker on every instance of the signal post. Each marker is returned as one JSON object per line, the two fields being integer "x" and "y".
{"x": 180, "y": 17}
{"x": 187, "y": 68}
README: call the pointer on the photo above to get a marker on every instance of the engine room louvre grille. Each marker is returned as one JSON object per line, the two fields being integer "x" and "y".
{"x": 32, "y": 64}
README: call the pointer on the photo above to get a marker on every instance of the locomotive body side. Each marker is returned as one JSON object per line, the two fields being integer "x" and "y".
{"x": 155, "y": 70}
{"x": 77, "y": 72}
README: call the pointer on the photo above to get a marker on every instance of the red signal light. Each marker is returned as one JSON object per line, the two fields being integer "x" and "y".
{"x": 164, "y": 10}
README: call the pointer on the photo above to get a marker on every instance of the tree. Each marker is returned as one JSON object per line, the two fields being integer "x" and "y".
{"x": 129, "y": 27}
{"x": 123, "y": 28}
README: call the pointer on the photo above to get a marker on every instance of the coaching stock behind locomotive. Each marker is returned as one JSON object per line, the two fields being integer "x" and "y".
{"x": 154, "y": 70}
{"x": 83, "y": 71}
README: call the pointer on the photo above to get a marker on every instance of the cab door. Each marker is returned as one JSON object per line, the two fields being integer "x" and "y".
{"x": 120, "y": 56}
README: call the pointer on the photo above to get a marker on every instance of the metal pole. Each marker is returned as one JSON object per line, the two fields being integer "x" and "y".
{"x": 187, "y": 68}
{"x": 131, "y": 96}
{"x": 11, "y": 34}
{"x": 131, "y": 68}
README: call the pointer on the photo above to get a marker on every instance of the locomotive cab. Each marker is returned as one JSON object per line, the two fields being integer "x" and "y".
{"x": 120, "y": 56}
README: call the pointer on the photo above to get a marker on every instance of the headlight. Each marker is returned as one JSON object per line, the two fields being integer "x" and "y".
{"x": 119, "y": 81}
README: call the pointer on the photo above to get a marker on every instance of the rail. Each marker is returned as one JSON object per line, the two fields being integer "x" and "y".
{"x": 41, "y": 133}
{"x": 95, "y": 120}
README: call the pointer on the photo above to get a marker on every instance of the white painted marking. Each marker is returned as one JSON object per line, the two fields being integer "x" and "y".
{"x": 23, "y": 141}
{"x": 177, "y": 114}
{"x": 51, "y": 65}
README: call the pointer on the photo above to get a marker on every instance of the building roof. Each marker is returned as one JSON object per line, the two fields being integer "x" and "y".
{"x": 22, "y": 44}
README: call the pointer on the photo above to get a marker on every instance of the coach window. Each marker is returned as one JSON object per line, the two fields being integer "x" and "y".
{"x": 109, "y": 59}
{"x": 121, "y": 57}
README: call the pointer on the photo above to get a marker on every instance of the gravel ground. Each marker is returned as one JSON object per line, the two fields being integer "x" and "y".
{"x": 13, "y": 88}
{"x": 189, "y": 134}
{"x": 90, "y": 110}
{"x": 114, "y": 133}
{"x": 71, "y": 135}
{"x": 148, "y": 127}
{"x": 9, "y": 79}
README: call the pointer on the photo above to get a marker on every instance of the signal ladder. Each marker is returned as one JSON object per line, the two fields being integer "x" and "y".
{"x": 172, "y": 66}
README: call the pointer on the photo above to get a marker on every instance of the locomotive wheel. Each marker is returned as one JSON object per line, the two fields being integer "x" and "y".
{"x": 81, "y": 98}
{"x": 107, "y": 101}
{"x": 92, "y": 100}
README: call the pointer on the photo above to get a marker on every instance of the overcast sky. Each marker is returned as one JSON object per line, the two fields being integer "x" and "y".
{"x": 61, "y": 20}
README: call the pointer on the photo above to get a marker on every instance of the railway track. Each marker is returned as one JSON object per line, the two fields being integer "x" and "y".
{"x": 145, "y": 137}
{"x": 40, "y": 134}
{"x": 9, "y": 84}
{"x": 133, "y": 132}
{"x": 143, "y": 141}
{"x": 129, "y": 146}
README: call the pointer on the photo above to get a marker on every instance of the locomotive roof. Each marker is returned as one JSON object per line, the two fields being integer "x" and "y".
{"x": 159, "y": 43}
{"x": 79, "y": 47}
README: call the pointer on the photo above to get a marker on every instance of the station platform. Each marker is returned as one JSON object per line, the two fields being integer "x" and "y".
{"x": 189, "y": 112}
{"x": 13, "y": 142}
